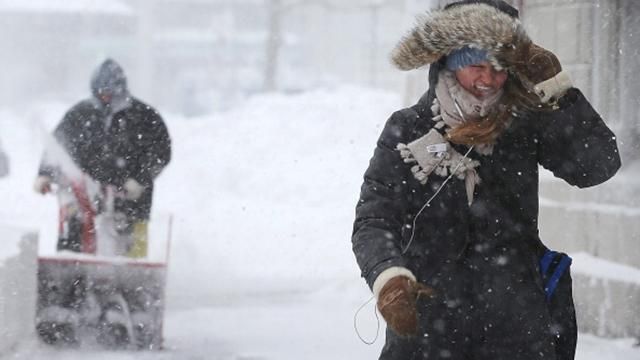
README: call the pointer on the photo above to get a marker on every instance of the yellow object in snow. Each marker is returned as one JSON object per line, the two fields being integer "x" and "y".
{"x": 140, "y": 242}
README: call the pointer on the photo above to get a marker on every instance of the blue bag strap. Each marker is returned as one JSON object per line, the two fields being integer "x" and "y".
{"x": 546, "y": 260}
{"x": 557, "y": 274}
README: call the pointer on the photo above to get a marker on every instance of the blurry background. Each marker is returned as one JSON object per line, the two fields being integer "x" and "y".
{"x": 195, "y": 56}
{"x": 274, "y": 107}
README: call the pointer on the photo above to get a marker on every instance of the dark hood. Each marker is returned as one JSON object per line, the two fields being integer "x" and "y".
{"x": 109, "y": 78}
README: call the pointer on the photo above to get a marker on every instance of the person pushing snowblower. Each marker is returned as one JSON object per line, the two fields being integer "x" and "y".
{"x": 107, "y": 152}
{"x": 119, "y": 142}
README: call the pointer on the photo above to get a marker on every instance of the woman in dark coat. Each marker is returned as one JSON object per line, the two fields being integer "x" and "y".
{"x": 446, "y": 231}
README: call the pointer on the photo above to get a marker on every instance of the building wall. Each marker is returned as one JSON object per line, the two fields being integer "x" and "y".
{"x": 594, "y": 42}
{"x": 628, "y": 77}
{"x": 594, "y": 39}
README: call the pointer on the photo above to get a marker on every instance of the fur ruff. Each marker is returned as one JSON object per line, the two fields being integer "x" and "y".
{"x": 475, "y": 25}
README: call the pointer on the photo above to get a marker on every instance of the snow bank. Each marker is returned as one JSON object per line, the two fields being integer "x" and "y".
{"x": 17, "y": 286}
{"x": 264, "y": 195}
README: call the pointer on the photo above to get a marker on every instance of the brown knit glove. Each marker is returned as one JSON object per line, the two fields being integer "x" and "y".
{"x": 536, "y": 66}
{"x": 540, "y": 64}
{"x": 397, "y": 304}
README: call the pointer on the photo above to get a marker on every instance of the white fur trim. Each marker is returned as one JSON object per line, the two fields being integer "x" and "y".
{"x": 387, "y": 275}
{"x": 440, "y": 32}
{"x": 554, "y": 87}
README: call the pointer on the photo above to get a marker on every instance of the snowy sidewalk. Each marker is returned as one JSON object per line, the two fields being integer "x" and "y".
{"x": 283, "y": 326}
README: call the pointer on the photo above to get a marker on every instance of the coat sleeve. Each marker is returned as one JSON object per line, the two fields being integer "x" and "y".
{"x": 70, "y": 137}
{"x": 155, "y": 149}
{"x": 575, "y": 144}
{"x": 382, "y": 207}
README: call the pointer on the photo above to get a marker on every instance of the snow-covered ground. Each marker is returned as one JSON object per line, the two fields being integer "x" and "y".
{"x": 262, "y": 198}
{"x": 310, "y": 326}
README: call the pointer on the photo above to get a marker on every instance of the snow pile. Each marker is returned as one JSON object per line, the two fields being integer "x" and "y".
{"x": 17, "y": 286}
{"x": 267, "y": 192}
{"x": 262, "y": 195}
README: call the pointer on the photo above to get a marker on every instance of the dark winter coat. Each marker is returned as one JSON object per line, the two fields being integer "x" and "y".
{"x": 482, "y": 259}
{"x": 136, "y": 145}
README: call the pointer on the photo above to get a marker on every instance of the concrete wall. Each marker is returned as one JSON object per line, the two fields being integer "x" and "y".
{"x": 606, "y": 296}
{"x": 607, "y": 307}
{"x": 17, "y": 290}
{"x": 594, "y": 40}
{"x": 578, "y": 221}
{"x": 603, "y": 221}
{"x": 598, "y": 42}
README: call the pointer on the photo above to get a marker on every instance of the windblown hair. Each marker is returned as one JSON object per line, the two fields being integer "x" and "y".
{"x": 483, "y": 131}
{"x": 515, "y": 100}
{"x": 480, "y": 26}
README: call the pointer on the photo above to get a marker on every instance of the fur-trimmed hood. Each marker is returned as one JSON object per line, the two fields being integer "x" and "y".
{"x": 477, "y": 25}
